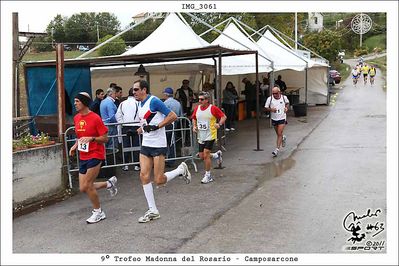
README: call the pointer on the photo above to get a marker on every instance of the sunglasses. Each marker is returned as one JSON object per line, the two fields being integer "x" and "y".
{"x": 201, "y": 99}
{"x": 274, "y": 93}
{"x": 136, "y": 89}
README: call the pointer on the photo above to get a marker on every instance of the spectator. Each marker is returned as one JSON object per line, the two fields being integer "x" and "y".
{"x": 230, "y": 97}
{"x": 118, "y": 95}
{"x": 108, "y": 111}
{"x": 95, "y": 105}
{"x": 250, "y": 97}
{"x": 186, "y": 97}
{"x": 128, "y": 113}
{"x": 280, "y": 84}
{"x": 175, "y": 106}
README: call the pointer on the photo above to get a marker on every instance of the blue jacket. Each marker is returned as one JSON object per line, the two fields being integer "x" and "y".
{"x": 108, "y": 110}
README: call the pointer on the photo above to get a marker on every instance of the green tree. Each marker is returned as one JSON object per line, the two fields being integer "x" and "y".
{"x": 56, "y": 29}
{"x": 82, "y": 28}
{"x": 327, "y": 43}
{"x": 115, "y": 47}
{"x": 142, "y": 31}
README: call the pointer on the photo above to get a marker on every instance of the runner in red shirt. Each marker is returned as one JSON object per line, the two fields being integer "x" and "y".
{"x": 91, "y": 135}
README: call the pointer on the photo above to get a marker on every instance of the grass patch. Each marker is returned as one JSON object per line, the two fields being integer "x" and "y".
{"x": 376, "y": 41}
{"x": 52, "y": 55}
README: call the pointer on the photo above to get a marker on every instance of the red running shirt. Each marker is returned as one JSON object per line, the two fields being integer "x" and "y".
{"x": 90, "y": 125}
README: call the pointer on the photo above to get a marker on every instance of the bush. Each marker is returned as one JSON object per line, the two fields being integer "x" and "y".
{"x": 115, "y": 47}
{"x": 42, "y": 44}
{"x": 360, "y": 51}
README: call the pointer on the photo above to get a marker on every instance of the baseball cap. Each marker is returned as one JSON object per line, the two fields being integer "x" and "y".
{"x": 168, "y": 90}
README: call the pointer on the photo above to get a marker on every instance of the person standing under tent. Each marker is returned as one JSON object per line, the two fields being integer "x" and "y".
{"x": 91, "y": 135}
{"x": 277, "y": 105}
{"x": 207, "y": 119}
{"x": 154, "y": 116}
{"x": 127, "y": 113}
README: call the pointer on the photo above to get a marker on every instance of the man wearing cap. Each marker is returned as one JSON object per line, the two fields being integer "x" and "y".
{"x": 175, "y": 106}
{"x": 154, "y": 116}
{"x": 91, "y": 134}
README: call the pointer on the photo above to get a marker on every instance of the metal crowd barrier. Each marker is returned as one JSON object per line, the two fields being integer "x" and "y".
{"x": 180, "y": 138}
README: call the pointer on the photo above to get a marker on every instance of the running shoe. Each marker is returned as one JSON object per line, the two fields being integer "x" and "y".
{"x": 125, "y": 168}
{"x": 232, "y": 129}
{"x": 149, "y": 216}
{"x": 227, "y": 129}
{"x": 113, "y": 190}
{"x": 275, "y": 152}
{"x": 137, "y": 168}
{"x": 95, "y": 217}
{"x": 186, "y": 172}
{"x": 219, "y": 159}
{"x": 207, "y": 179}
{"x": 284, "y": 141}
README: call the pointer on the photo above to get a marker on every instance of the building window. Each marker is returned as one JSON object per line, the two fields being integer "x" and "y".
{"x": 315, "y": 20}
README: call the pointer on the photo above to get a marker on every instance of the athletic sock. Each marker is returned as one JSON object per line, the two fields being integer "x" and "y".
{"x": 207, "y": 173}
{"x": 97, "y": 210}
{"x": 149, "y": 195}
{"x": 214, "y": 155}
{"x": 109, "y": 184}
{"x": 172, "y": 174}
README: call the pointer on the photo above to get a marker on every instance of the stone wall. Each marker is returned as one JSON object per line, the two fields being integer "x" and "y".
{"x": 37, "y": 174}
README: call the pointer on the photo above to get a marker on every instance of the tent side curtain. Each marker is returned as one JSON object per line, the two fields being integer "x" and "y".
{"x": 42, "y": 88}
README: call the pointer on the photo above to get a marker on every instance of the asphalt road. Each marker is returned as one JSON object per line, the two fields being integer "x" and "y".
{"x": 334, "y": 163}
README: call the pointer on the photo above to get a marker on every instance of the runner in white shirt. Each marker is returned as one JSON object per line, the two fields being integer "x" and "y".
{"x": 277, "y": 105}
{"x": 154, "y": 116}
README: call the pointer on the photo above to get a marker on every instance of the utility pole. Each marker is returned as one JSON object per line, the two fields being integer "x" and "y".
{"x": 98, "y": 33}
{"x": 15, "y": 63}
{"x": 296, "y": 31}
{"x": 52, "y": 36}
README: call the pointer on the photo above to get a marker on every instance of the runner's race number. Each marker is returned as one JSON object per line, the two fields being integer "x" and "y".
{"x": 203, "y": 125}
{"x": 84, "y": 147}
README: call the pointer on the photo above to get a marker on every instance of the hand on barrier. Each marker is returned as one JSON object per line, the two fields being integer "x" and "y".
{"x": 149, "y": 128}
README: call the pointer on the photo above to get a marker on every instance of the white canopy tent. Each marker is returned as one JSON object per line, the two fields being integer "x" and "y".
{"x": 292, "y": 69}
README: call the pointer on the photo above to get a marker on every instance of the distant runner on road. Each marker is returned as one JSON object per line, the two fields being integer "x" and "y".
{"x": 277, "y": 105}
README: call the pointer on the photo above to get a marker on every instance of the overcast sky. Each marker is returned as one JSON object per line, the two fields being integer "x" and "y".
{"x": 38, "y": 22}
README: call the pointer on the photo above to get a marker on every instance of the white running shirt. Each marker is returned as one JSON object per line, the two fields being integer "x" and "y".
{"x": 279, "y": 104}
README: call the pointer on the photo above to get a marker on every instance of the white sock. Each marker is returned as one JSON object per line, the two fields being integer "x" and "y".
{"x": 97, "y": 210}
{"x": 214, "y": 155}
{"x": 172, "y": 174}
{"x": 108, "y": 184}
{"x": 207, "y": 173}
{"x": 149, "y": 195}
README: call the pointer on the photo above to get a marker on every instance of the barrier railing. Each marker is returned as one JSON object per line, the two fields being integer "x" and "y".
{"x": 122, "y": 146}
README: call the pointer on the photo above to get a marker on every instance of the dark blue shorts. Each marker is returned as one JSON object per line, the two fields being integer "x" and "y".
{"x": 208, "y": 144}
{"x": 153, "y": 152}
{"x": 86, "y": 164}
{"x": 279, "y": 122}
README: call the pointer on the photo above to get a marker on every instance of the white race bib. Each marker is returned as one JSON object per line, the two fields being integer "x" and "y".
{"x": 84, "y": 147}
{"x": 203, "y": 125}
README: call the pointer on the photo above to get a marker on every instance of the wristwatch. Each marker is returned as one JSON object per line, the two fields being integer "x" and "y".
{"x": 93, "y": 139}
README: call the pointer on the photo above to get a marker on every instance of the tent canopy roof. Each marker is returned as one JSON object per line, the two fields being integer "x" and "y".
{"x": 212, "y": 51}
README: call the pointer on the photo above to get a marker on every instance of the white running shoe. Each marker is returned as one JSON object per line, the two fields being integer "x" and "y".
{"x": 125, "y": 168}
{"x": 113, "y": 190}
{"x": 148, "y": 216}
{"x": 219, "y": 159}
{"x": 227, "y": 129}
{"x": 232, "y": 129}
{"x": 96, "y": 217}
{"x": 186, "y": 172}
{"x": 284, "y": 141}
{"x": 275, "y": 152}
{"x": 207, "y": 179}
{"x": 137, "y": 168}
